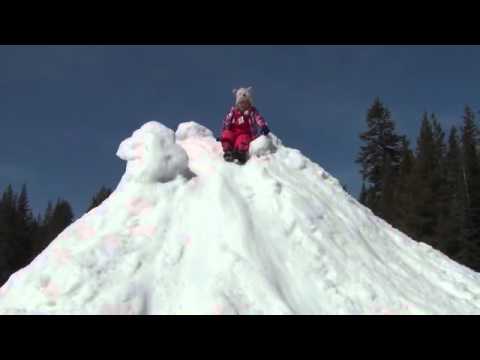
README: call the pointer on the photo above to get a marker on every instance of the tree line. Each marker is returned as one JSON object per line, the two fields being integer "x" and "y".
{"x": 23, "y": 236}
{"x": 430, "y": 192}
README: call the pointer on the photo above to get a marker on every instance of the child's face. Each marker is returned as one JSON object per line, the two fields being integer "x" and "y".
{"x": 244, "y": 105}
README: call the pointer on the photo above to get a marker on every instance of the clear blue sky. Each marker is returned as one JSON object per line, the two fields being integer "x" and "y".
{"x": 65, "y": 109}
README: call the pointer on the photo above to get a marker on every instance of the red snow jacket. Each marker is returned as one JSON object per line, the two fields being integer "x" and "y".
{"x": 250, "y": 121}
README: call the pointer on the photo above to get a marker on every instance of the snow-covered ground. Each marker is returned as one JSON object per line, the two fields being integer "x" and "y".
{"x": 186, "y": 233}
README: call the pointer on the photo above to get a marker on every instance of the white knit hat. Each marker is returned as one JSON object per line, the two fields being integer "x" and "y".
{"x": 243, "y": 94}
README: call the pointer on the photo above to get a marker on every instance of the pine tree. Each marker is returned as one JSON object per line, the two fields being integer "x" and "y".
{"x": 404, "y": 190}
{"x": 62, "y": 217}
{"x": 48, "y": 214}
{"x": 363, "y": 195}
{"x": 37, "y": 236}
{"x": 23, "y": 230}
{"x": 7, "y": 227}
{"x": 22, "y": 236}
{"x": 46, "y": 227}
{"x": 103, "y": 194}
{"x": 424, "y": 211}
{"x": 439, "y": 182}
{"x": 438, "y": 138}
{"x": 7, "y": 233}
{"x": 453, "y": 227}
{"x": 471, "y": 176}
{"x": 9, "y": 199}
{"x": 43, "y": 234}
{"x": 386, "y": 201}
{"x": 379, "y": 158}
{"x": 4, "y": 243}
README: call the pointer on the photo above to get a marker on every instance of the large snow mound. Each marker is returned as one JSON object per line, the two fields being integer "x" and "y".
{"x": 275, "y": 236}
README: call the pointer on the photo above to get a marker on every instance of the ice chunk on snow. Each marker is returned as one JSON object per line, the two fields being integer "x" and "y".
{"x": 152, "y": 155}
{"x": 295, "y": 160}
{"x": 191, "y": 129}
{"x": 264, "y": 145}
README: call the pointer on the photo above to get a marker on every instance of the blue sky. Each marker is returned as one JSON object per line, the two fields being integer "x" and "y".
{"x": 65, "y": 109}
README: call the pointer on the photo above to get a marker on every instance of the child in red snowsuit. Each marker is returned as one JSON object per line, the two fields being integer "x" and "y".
{"x": 241, "y": 126}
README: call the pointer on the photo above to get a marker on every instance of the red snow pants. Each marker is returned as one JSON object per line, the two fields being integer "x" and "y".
{"x": 237, "y": 139}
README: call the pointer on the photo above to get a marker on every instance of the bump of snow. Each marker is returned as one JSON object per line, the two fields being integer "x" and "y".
{"x": 264, "y": 145}
{"x": 152, "y": 155}
{"x": 191, "y": 129}
{"x": 295, "y": 160}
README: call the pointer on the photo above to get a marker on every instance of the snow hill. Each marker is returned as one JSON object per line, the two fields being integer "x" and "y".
{"x": 186, "y": 233}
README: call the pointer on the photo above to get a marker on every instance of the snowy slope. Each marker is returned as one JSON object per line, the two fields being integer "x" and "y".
{"x": 187, "y": 233}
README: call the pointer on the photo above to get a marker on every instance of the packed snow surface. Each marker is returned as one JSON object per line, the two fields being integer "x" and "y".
{"x": 187, "y": 233}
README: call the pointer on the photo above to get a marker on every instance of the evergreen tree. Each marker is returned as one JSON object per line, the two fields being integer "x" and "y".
{"x": 363, "y": 195}
{"x": 435, "y": 191}
{"x": 37, "y": 236}
{"x": 379, "y": 158}
{"x": 386, "y": 201}
{"x": 424, "y": 211}
{"x": 404, "y": 190}
{"x": 9, "y": 200}
{"x": 452, "y": 228}
{"x": 99, "y": 197}
{"x": 7, "y": 233}
{"x": 22, "y": 236}
{"x": 4, "y": 243}
{"x": 470, "y": 254}
{"x": 439, "y": 182}
{"x": 62, "y": 217}
{"x": 44, "y": 232}
{"x": 23, "y": 230}
{"x": 47, "y": 218}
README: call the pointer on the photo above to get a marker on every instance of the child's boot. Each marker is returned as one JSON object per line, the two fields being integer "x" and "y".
{"x": 241, "y": 157}
{"x": 229, "y": 155}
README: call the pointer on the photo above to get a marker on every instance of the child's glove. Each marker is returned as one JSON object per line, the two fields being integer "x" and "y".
{"x": 265, "y": 130}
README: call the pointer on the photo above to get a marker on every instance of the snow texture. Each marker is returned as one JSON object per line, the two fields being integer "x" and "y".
{"x": 278, "y": 235}
{"x": 264, "y": 145}
{"x": 192, "y": 129}
{"x": 152, "y": 155}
